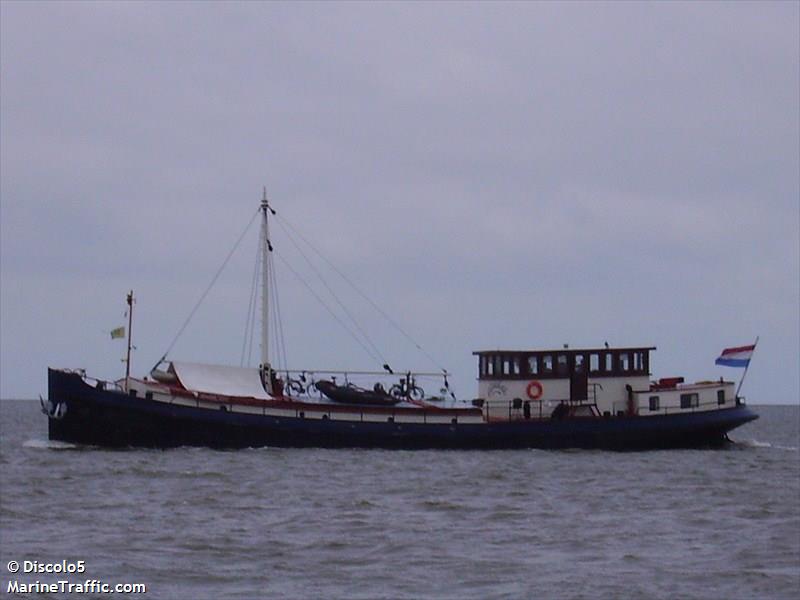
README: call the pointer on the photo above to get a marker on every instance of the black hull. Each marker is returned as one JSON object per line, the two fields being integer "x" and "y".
{"x": 108, "y": 418}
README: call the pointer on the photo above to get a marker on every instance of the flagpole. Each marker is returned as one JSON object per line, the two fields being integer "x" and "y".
{"x": 130, "y": 323}
{"x": 747, "y": 366}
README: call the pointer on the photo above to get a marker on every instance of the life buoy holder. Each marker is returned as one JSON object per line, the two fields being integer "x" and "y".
{"x": 534, "y": 390}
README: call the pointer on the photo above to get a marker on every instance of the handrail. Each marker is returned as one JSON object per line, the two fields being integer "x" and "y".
{"x": 89, "y": 379}
{"x": 302, "y": 383}
{"x": 348, "y": 372}
{"x": 710, "y": 405}
{"x": 517, "y": 413}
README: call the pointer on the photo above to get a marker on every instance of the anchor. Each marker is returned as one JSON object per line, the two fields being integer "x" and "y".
{"x": 53, "y": 410}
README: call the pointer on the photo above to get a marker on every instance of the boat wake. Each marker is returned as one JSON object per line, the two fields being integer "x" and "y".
{"x": 758, "y": 444}
{"x": 49, "y": 445}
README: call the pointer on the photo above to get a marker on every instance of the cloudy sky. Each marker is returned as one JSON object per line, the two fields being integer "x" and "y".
{"x": 492, "y": 175}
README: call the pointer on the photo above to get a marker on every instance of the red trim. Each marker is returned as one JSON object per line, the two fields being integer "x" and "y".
{"x": 738, "y": 349}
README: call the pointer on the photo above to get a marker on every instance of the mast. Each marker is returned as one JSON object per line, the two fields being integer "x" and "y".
{"x": 130, "y": 324}
{"x": 265, "y": 250}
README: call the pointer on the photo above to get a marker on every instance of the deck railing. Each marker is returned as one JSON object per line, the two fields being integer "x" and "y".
{"x": 644, "y": 410}
{"x": 404, "y": 385}
{"x": 101, "y": 384}
{"x": 536, "y": 408}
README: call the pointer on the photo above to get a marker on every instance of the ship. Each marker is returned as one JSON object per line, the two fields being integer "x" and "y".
{"x": 601, "y": 397}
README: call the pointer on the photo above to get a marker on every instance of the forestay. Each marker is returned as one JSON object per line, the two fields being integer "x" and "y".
{"x": 220, "y": 380}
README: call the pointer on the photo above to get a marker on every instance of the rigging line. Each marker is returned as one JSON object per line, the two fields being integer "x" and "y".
{"x": 277, "y": 308}
{"x": 328, "y": 308}
{"x": 275, "y": 352}
{"x": 278, "y": 311}
{"x": 208, "y": 289}
{"x": 391, "y": 321}
{"x": 335, "y": 297}
{"x": 259, "y": 258}
{"x": 276, "y": 361}
{"x": 252, "y": 334}
{"x": 255, "y": 289}
{"x": 248, "y": 326}
{"x": 254, "y": 292}
{"x": 275, "y": 357}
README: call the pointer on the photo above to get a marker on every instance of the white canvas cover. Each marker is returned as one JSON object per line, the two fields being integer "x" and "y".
{"x": 221, "y": 380}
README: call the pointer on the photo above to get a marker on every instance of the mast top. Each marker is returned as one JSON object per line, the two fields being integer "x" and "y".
{"x": 264, "y": 206}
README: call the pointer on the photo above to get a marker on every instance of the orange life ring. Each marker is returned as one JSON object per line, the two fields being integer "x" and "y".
{"x": 534, "y": 390}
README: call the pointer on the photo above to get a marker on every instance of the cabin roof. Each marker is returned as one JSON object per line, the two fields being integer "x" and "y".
{"x": 565, "y": 350}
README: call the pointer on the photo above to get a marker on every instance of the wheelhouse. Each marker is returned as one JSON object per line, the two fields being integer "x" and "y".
{"x": 563, "y": 363}
{"x": 590, "y": 381}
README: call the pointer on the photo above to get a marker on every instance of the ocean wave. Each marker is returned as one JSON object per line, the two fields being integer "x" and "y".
{"x": 759, "y": 444}
{"x": 48, "y": 444}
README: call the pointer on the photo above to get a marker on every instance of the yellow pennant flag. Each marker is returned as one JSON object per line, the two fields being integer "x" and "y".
{"x": 119, "y": 332}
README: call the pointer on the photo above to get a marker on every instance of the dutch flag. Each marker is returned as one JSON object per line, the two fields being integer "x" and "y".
{"x": 736, "y": 357}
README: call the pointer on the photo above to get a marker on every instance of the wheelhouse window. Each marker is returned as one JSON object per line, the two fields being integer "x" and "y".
{"x": 515, "y": 365}
{"x": 638, "y": 361}
{"x": 506, "y": 366}
{"x": 547, "y": 363}
{"x": 655, "y": 403}
{"x": 580, "y": 363}
{"x": 594, "y": 362}
{"x": 533, "y": 365}
{"x": 624, "y": 361}
{"x": 489, "y": 365}
{"x": 721, "y": 397}
{"x": 690, "y": 400}
{"x": 609, "y": 362}
{"x": 561, "y": 366}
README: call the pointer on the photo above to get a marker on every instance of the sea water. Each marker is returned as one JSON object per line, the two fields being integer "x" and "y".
{"x": 304, "y": 523}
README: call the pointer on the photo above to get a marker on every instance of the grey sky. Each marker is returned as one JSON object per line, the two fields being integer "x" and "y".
{"x": 493, "y": 175}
